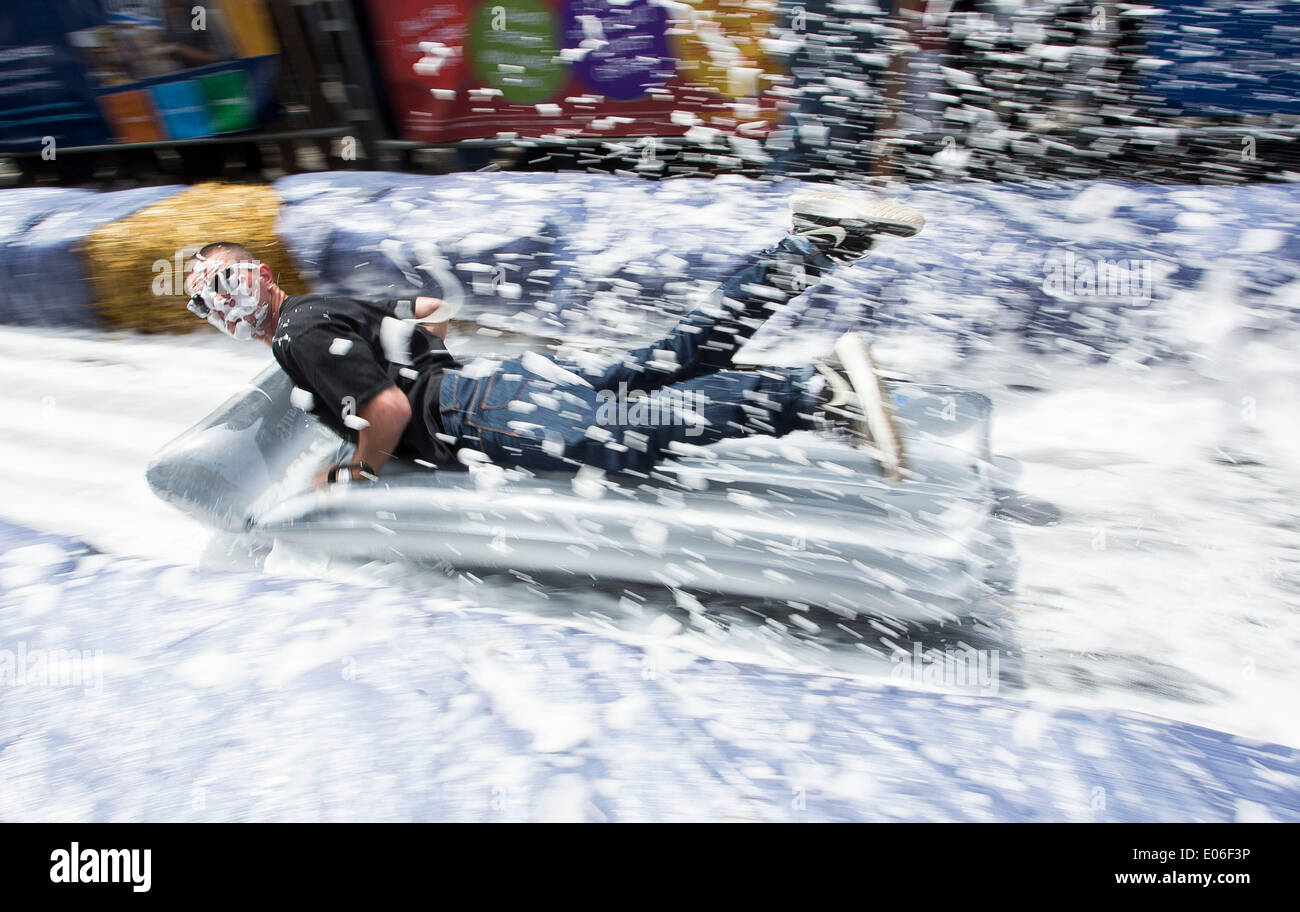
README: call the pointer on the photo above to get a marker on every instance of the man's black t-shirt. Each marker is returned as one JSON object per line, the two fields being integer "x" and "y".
{"x": 345, "y": 351}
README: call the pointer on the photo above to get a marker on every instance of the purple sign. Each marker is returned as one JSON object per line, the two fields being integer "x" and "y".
{"x": 619, "y": 50}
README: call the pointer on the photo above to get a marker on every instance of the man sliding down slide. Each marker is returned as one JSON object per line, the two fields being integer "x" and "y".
{"x": 379, "y": 374}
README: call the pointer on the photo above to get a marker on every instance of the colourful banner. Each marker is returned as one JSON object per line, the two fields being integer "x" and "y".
{"x": 88, "y": 72}
{"x": 463, "y": 69}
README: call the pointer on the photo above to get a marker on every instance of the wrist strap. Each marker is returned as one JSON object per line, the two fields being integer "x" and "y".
{"x": 341, "y": 473}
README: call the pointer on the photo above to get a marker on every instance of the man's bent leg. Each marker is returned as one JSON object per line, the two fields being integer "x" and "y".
{"x": 706, "y": 339}
{"x": 555, "y": 430}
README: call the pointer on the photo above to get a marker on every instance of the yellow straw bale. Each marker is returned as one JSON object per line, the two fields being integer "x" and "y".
{"x": 137, "y": 263}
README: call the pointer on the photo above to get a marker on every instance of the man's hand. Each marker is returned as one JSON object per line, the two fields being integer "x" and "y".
{"x": 426, "y": 308}
{"x": 386, "y": 417}
{"x": 433, "y": 314}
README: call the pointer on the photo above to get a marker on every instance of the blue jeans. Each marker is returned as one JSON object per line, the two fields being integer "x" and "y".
{"x": 545, "y": 415}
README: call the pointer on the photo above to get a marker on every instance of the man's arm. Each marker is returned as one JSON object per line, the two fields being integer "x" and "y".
{"x": 387, "y": 415}
{"x": 349, "y": 384}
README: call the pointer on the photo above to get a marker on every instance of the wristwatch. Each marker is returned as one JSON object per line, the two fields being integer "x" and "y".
{"x": 341, "y": 472}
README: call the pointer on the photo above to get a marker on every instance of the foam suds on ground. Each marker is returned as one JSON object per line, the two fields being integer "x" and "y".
{"x": 1158, "y": 566}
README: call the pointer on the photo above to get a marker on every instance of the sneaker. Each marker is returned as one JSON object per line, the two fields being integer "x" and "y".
{"x": 845, "y": 225}
{"x": 855, "y": 397}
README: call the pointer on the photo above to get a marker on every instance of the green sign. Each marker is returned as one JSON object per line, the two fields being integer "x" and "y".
{"x": 514, "y": 46}
{"x": 227, "y": 96}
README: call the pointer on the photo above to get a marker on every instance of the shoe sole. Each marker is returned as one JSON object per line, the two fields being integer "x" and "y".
{"x": 841, "y": 391}
{"x": 845, "y": 208}
{"x": 877, "y": 422}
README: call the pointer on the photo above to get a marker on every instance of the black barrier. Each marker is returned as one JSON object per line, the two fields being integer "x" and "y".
{"x": 309, "y": 863}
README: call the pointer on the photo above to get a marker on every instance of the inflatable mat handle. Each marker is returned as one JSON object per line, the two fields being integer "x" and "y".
{"x": 217, "y": 470}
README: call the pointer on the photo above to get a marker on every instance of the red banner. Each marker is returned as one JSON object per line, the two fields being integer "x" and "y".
{"x": 461, "y": 69}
